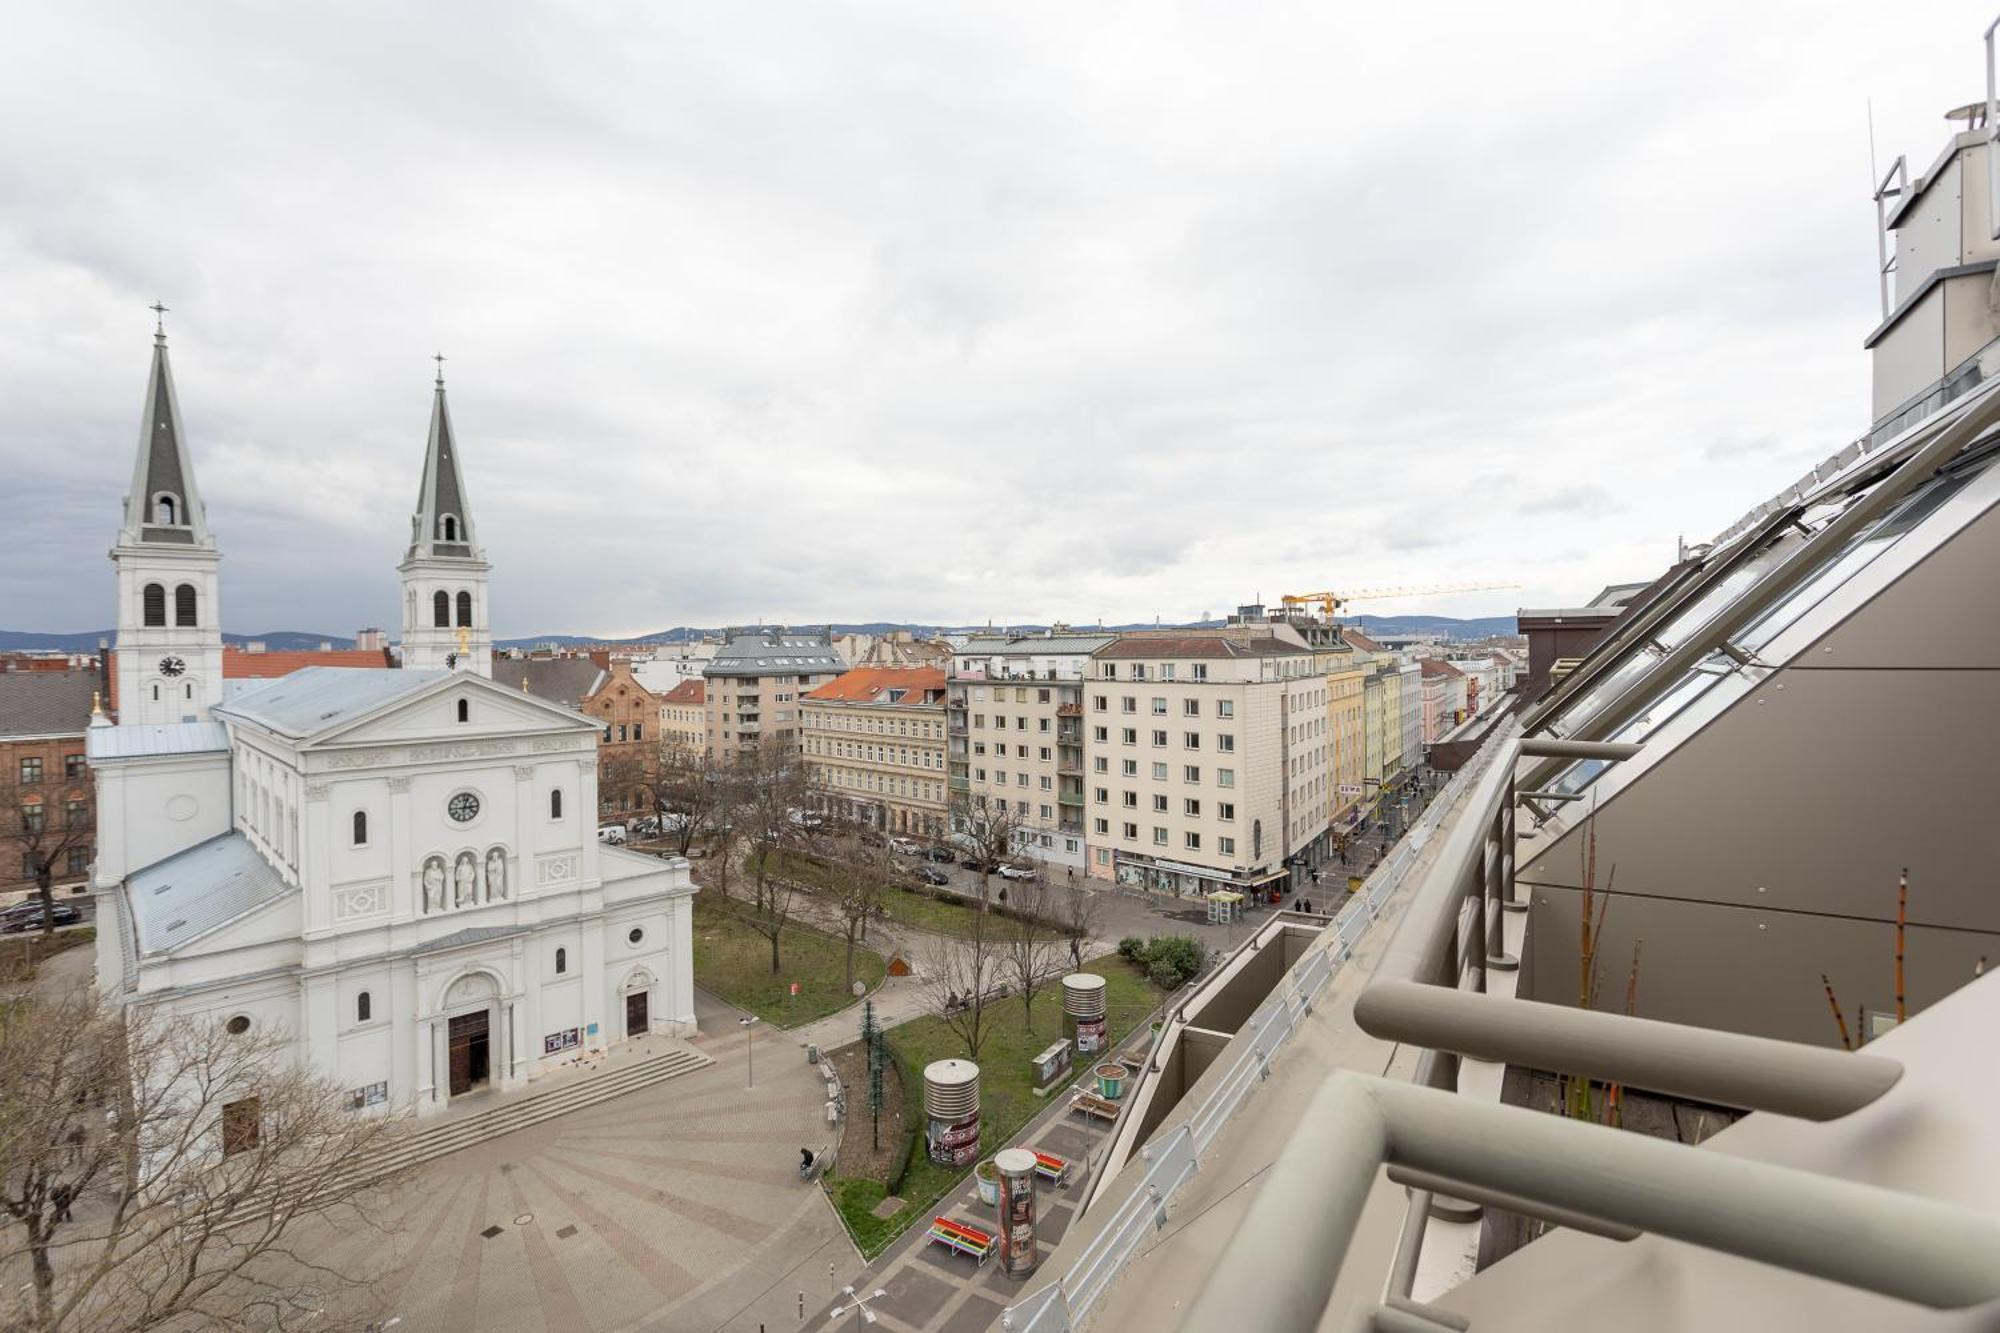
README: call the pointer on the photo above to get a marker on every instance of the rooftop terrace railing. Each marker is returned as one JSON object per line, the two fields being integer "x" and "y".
{"x": 1171, "y": 1160}
{"x": 1279, "y": 1270}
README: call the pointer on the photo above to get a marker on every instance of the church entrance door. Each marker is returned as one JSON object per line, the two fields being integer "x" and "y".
{"x": 635, "y": 1014}
{"x": 470, "y": 1054}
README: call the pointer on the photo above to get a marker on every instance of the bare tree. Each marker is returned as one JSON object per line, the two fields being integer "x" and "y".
{"x": 852, "y": 874}
{"x": 42, "y": 819}
{"x": 1031, "y": 941}
{"x": 985, "y": 825}
{"x": 156, "y": 1170}
{"x": 622, "y": 780}
{"x": 1080, "y": 915}
{"x": 689, "y": 793}
{"x": 961, "y": 975}
{"x": 770, "y": 806}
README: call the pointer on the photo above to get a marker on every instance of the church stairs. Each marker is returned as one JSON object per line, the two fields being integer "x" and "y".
{"x": 427, "y": 1142}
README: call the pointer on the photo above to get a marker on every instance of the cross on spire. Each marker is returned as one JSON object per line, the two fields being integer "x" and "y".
{"x": 159, "y": 320}
{"x": 439, "y": 358}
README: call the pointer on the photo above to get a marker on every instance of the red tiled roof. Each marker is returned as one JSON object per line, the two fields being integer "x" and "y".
{"x": 1360, "y": 640}
{"x": 687, "y": 692}
{"x": 863, "y": 685}
{"x": 1162, "y": 646}
{"x": 1433, "y": 667}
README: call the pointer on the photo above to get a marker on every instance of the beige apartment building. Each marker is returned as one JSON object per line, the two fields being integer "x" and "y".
{"x": 684, "y": 716}
{"x": 753, "y": 684}
{"x": 1016, "y": 740}
{"x": 1210, "y": 760}
{"x": 875, "y": 746}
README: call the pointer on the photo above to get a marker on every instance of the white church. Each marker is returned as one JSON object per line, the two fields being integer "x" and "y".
{"x": 397, "y": 868}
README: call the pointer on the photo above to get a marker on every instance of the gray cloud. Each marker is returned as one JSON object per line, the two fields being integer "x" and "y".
{"x": 860, "y": 312}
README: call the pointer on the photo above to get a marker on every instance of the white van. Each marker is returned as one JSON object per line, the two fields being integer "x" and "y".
{"x": 611, "y": 833}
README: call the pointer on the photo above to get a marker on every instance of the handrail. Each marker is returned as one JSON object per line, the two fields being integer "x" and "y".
{"x": 1880, "y": 1240}
{"x": 1173, "y": 1159}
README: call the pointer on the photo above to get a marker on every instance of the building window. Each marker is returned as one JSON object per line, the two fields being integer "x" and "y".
{"x": 634, "y": 935}
{"x": 465, "y": 610}
{"x": 360, "y": 828}
{"x": 31, "y": 769}
{"x": 1194, "y": 842}
{"x": 1225, "y": 810}
{"x": 562, "y": 961}
{"x": 166, "y": 510}
{"x": 1226, "y": 743}
{"x": 1159, "y": 772}
{"x": 464, "y": 710}
{"x": 1159, "y": 737}
{"x": 1130, "y": 735}
{"x": 1129, "y": 704}
{"x": 1225, "y": 846}
{"x": 79, "y": 860}
{"x": 242, "y": 1121}
{"x": 1097, "y": 703}
{"x": 1191, "y": 740}
{"x": 184, "y": 606}
{"x": 1159, "y": 803}
{"x": 1201, "y": 671}
{"x": 1100, "y": 825}
{"x": 238, "y": 1025}
{"x": 1159, "y": 707}
{"x": 555, "y": 803}
{"x": 1190, "y": 773}
{"x": 450, "y": 527}
{"x": 1191, "y": 808}
{"x": 1225, "y": 708}
{"x": 1131, "y": 800}
{"x": 364, "y": 1007}
{"x": 1100, "y": 764}
{"x": 638, "y": 731}
{"x": 155, "y": 598}
{"x": 441, "y": 609}
{"x": 1131, "y": 831}
{"x": 1225, "y": 777}
{"x": 1159, "y": 836}
{"x": 73, "y": 767}
{"x": 621, "y": 731}
{"x": 1190, "y": 708}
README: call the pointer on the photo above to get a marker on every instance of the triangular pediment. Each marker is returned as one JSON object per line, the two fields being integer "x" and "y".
{"x": 431, "y": 717}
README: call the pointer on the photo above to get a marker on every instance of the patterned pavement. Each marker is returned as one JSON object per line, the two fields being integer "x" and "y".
{"x": 675, "y": 1207}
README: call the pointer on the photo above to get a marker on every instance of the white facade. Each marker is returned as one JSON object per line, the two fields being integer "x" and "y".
{"x": 399, "y": 869}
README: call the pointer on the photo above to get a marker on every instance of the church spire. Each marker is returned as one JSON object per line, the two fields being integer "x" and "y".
{"x": 442, "y": 525}
{"x": 163, "y": 505}
{"x": 444, "y": 573}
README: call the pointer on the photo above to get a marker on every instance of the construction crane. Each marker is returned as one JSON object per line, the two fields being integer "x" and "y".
{"x": 1329, "y": 603}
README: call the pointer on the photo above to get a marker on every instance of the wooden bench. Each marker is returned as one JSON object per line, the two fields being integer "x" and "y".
{"x": 962, "y": 1238}
{"x": 1093, "y": 1105}
{"x": 1053, "y": 1169}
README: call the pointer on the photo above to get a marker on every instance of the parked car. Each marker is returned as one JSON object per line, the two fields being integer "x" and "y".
{"x": 647, "y": 827}
{"x": 907, "y": 846}
{"x": 805, "y": 819}
{"x": 611, "y": 833}
{"x": 1018, "y": 872}
{"x": 930, "y": 874}
{"x": 28, "y": 916}
{"x": 941, "y": 855}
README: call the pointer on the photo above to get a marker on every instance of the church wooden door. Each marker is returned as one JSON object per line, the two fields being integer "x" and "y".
{"x": 469, "y": 1058}
{"x": 635, "y": 1014}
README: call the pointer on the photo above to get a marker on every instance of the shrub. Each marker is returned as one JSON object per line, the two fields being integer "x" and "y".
{"x": 1133, "y": 950}
{"x": 1164, "y": 975}
{"x": 1182, "y": 953}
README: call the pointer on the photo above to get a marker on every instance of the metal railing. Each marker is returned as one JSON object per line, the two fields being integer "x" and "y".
{"x": 1279, "y": 1269}
{"x": 1172, "y": 1160}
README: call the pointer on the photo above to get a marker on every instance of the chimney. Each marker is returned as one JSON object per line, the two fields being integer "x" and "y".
{"x": 254, "y": 646}
{"x": 326, "y": 645}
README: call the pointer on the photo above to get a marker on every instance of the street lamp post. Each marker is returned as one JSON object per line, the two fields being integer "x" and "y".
{"x": 749, "y": 1050}
{"x": 859, "y": 1306}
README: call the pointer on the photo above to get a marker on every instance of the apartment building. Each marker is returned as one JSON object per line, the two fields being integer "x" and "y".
{"x": 1015, "y": 733}
{"x": 874, "y": 741}
{"x": 47, "y": 805}
{"x": 1443, "y": 696}
{"x": 753, "y": 684}
{"x": 1347, "y": 728}
{"x": 1210, "y": 760}
{"x": 684, "y": 716}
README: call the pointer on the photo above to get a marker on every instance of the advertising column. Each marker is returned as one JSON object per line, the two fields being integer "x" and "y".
{"x": 1017, "y": 1210}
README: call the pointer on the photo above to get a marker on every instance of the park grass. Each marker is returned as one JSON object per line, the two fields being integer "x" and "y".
{"x": 732, "y": 960}
{"x": 908, "y": 907}
{"x": 1007, "y": 1098}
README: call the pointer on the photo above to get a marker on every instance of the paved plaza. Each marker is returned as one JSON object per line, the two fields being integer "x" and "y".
{"x": 677, "y": 1207}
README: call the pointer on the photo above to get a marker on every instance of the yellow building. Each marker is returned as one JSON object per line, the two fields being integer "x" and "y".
{"x": 1347, "y": 720}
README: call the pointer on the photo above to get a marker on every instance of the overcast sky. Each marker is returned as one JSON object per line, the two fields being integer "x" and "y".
{"x": 942, "y": 313}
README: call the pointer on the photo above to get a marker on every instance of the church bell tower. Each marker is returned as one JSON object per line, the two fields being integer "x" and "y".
{"x": 169, "y": 661}
{"x": 444, "y": 573}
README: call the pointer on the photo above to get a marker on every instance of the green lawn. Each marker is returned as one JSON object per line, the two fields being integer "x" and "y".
{"x": 733, "y": 960}
{"x": 1006, "y": 1091}
{"x": 907, "y": 907}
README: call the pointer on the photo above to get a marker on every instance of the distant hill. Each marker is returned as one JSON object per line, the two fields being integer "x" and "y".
{"x": 301, "y": 640}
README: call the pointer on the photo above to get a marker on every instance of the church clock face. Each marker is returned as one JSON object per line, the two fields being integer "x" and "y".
{"x": 172, "y": 666}
{"x": 450, "y": 661}
{"x": 463, "y": 807}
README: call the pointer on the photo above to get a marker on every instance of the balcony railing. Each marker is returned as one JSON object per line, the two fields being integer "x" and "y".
{"x": 1069, "y": 710}
{"x": 1069, "y": 798}
{"x": 1279, "y": 1267}
{"x": 959, "y": 784}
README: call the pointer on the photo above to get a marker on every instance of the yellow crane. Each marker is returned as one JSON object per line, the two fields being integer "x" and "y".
{"x": 1329, "y": 603}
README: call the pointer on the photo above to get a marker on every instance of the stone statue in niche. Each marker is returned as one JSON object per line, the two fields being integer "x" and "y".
{"x": 434, "y": 884}
{"x": 465, "y": 888}
{"x": 496, "y": 875}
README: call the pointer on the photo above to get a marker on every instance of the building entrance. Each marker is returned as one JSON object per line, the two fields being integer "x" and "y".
{"x": 471, "y": 1059}
{"x": 636, "y": 1024}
